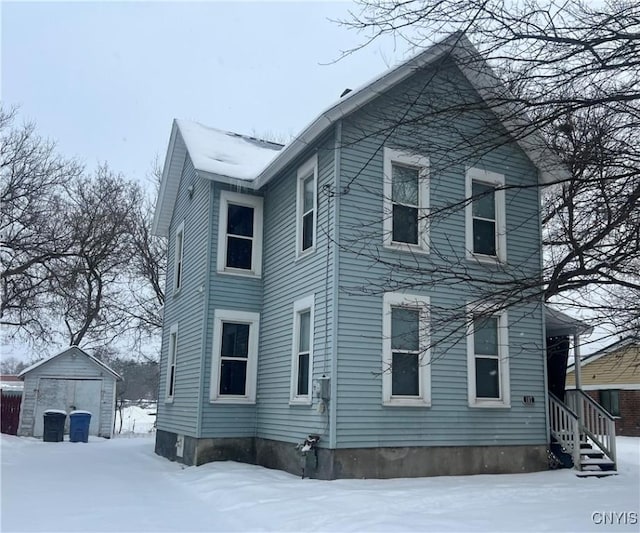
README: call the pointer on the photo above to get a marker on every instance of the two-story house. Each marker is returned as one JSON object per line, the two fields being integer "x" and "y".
{"x": 293, "y": 340}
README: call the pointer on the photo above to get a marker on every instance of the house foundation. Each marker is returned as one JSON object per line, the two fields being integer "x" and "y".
{"x": 376, "y": 463}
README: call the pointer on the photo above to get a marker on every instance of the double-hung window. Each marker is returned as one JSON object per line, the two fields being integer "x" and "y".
{"x": 240, "y": 234}
{"x": 406, "y": 364}
{"x": 235, "y": 354}
{"x": 307, "y": 207}
{"x": 170, "y": 384}
{"x": 485, "y": 213}
{"x": 302, "y": 353}
{"x": 178, "y": 255}
{"x": 488, "y": 360}
{"x": 406, "y": 201}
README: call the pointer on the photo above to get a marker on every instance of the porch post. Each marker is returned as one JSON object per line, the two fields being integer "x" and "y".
{"x": 576, "y": 361}
{"x": 576, "y": 372}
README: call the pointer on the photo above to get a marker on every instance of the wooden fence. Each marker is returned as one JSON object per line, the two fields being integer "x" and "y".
{"x": 10, "y": 411}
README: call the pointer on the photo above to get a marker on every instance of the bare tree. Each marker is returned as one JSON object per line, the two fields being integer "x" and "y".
{"x": 34, "y": 238}
{"x": 567, "y": 72}
{"x": 78, "y": 260}
{"x": 86, "y": 292}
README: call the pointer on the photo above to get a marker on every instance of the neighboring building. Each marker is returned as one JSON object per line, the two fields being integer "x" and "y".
{"x": 269, "y": 342}
{"x": 70, "y": 380}
{"x": 611, "y": 376}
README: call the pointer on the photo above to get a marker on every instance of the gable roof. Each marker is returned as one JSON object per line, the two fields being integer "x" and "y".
{"x": 471, "y": 64}
{"x": 612, "y": 348}
{"x": 77, "y": 351}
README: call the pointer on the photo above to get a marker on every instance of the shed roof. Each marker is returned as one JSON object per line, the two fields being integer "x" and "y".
{"x": 456, "y": 46}
{"x": 73, "y": 350}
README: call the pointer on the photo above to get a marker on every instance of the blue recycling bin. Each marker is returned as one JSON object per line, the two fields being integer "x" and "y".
{"x": 79, "y": 426}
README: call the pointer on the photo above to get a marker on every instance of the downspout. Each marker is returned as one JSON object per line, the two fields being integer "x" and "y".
{"x": 205, "y": 315}
{"x": 333, "y": 409}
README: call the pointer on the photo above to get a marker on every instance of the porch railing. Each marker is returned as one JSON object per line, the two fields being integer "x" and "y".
{"x": 594, "y": 421}
{"x": 565, "y": 427}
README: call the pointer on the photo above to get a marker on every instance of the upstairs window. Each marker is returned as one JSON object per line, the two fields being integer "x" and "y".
{"x": 307, "y": 204}
{"x": 486, "y": 232}
{"x": 406, "y": 363}
{"x": 171, "y": 363}
{"x": 240, "y": 234}
{"x": 302, "y": 354}
{"x": 178, "y": 254}
{"x": 406, "y": 200}
{"x": 235, "y": 353}
{"x": 488, "y": 365}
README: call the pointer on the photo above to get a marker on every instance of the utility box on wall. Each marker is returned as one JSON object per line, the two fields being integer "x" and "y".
{"x": 322, "y": 388}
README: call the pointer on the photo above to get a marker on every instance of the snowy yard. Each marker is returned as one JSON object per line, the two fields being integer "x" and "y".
{"x": 121, "y": 485}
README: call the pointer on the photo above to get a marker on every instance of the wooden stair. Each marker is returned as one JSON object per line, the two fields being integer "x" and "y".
{"x": 594, "y": 463}
{"x": 582, "y": 435}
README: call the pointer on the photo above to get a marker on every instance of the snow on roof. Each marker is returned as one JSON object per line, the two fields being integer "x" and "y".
{"x": 71, "y": 349}
{"x": 224, "y": 153}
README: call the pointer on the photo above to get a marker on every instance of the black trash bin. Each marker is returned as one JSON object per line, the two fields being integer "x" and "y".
{"x": 54, "y": 420}
{"x": 79, "y": 426}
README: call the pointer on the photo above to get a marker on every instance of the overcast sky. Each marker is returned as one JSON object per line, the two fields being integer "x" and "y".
{"x": 105, "y": 79}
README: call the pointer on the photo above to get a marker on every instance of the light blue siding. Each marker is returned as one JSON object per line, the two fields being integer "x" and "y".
{"x": 364, "y": 274}
{"x": 186, "y": 307}
{"x": 287, "y": 279}
{"x": 235, "y": 293}
{"x": 362, "y": 420}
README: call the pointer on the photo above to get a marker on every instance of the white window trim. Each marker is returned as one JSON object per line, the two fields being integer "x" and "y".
{"x": 309, "y": 167}
{"x": 299, "y": 306}
{"x": 404, "y": 158}
{"x": 498, "y": 181}
{"x": 395, "y": 299}
{"x": 247, "y": 200}
{"x": 253, "y": 319}
{"x": 172, "y": 354}
{"x": 178, "y": 259}
{"x": 503, "y": 361}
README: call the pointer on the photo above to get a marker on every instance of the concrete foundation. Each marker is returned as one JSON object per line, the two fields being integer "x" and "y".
{"x": 377, "y": 463}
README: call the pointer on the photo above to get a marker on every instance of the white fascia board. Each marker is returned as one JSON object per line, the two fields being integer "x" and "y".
{"x": 219, "y": 178}
{"x": 352, "y": 102}
{"x": 551, "y": 170}
{"x": 164, "y": 205}
{"x": 489, "y": 86}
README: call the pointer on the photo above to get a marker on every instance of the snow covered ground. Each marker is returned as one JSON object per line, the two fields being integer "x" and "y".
{"x": 136, "y": 419}
{"x": 121, "y": 485}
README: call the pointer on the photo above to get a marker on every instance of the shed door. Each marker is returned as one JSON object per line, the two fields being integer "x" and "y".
{"x": 68, "y": 394}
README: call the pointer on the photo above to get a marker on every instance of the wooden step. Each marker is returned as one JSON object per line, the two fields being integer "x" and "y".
{"x": 593, "y": 454}
{"x": 596, "y": 473}
{"x": 597, "y": 462}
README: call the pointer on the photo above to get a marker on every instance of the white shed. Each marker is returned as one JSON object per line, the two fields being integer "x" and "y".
{"x": 71, "y": 380}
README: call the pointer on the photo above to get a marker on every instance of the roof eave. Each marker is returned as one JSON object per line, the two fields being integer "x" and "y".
{"x": 161, "y": 221}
